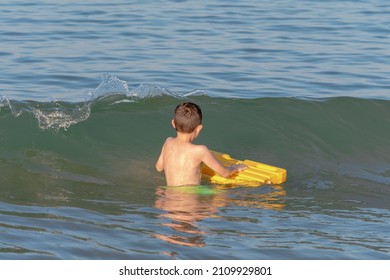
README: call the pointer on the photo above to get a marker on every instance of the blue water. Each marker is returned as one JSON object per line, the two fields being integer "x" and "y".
{"x": 246, "y": 49}
{"x": 87, "y": 90}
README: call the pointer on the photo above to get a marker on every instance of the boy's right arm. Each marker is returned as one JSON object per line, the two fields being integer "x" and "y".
{"x": 214, "y": 164}
{"x": 160, "y": 161}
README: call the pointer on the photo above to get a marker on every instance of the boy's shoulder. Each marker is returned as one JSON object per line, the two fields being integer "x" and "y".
{"x": 170, "y": 143}
{"x": 200, "y": 148}
{"x": 169, "y": 140}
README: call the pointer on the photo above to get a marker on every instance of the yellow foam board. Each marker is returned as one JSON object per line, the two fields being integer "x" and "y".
{"x": 256, "y": 174}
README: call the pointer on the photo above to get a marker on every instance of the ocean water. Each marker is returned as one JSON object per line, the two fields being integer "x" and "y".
{"x": 88, "y": 90}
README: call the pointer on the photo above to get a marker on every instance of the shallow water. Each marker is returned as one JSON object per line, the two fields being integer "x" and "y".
{"x": 299, "y": 85}
{"x": 91, "y": 191}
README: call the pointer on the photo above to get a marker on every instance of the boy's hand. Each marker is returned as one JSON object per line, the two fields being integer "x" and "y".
{"x": 238, "y": 167}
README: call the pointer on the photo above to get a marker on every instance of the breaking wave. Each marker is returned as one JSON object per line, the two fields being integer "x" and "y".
{"x": 58, "y": 115}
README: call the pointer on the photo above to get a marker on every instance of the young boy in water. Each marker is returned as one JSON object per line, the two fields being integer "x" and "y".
{"x": 180, "y": 159}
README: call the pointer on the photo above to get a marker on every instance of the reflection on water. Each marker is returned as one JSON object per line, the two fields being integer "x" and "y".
{"x": 266, "y": 197}
{"x": 185, "y": 207}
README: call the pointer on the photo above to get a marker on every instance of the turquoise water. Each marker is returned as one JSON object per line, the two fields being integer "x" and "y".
{"x": 86, "y": 98}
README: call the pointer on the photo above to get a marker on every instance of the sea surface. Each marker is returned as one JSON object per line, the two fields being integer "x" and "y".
{"x": 87, "y": 92}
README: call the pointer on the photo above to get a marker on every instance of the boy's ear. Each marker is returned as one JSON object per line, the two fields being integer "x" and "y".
{"x": 199, "y": 128}
{"x": 173, "y": 124}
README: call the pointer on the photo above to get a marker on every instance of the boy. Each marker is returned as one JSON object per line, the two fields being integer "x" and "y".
{"x": 180, "y": 159}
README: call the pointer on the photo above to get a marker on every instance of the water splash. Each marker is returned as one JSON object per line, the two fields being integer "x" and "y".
{"x": 197, "y": 92}
{"x": 147, "y": 90}
{"x": 6, "y": 103}
{"x": 58, "y": 115}
{"x": 109, "y": 85}
{"x": 61, "y": 117}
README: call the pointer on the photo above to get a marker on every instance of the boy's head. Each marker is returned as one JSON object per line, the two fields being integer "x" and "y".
{"x": 188, "y": 116}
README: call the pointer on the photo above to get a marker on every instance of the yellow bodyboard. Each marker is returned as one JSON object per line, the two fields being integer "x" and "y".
{"x": 256, "y": 174}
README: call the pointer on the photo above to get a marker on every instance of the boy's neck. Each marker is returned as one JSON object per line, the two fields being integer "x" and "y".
{"x": 185, "y": 137}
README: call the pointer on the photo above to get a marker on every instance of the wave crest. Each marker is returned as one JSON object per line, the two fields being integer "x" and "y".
{"x": 58, "y": 115}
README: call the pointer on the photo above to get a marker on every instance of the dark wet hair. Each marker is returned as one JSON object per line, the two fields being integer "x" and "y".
{"x": 187, "y": 117}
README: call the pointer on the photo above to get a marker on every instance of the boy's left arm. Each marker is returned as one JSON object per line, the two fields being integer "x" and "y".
{"x": 214, "y": 164}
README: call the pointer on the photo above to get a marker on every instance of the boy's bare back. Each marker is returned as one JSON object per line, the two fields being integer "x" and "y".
{"x": 181, "y": 160}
